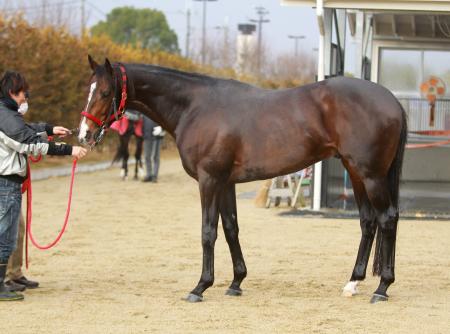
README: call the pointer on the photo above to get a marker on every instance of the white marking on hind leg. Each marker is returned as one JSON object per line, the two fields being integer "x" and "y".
{"x": 349, "y": 289}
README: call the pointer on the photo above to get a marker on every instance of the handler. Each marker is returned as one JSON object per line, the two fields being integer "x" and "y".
{"x": 17, "y": 140}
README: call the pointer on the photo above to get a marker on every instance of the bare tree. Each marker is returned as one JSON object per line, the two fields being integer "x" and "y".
{"x": 62, "y": 14}
{"x": 287, "y": 68}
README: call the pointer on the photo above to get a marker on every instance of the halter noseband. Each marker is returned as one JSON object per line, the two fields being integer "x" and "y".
{"x": 114, "y": 113}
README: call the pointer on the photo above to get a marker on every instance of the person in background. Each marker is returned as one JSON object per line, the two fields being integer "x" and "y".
{"x": 153, "y": 135}
{"x": 18, "y": 140}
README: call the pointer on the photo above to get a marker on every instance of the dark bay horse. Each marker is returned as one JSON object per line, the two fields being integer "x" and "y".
{"x": 229, "y": 132}
{"x": 127, "y": 127}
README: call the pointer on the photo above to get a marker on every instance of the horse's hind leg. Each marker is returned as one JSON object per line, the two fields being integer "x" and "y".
{"x": 209, "y": 194}
{"x": 228, "y": 213}
{"x": 368, "y": 229}
{"x": 387, "y": 219}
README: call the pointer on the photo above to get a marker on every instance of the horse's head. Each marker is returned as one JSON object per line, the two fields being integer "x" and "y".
{"x": 101, "y": 107}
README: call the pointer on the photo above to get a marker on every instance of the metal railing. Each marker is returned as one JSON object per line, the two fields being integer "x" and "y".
{"x": 418, "y": 111}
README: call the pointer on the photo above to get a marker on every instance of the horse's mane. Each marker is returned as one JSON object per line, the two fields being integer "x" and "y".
{"x": 191, "y": 76}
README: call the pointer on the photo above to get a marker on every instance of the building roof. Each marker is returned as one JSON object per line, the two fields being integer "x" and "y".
{"x": 381, "y": 5}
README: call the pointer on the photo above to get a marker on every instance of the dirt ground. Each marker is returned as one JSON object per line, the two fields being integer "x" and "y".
{"x": 132, "y": 252}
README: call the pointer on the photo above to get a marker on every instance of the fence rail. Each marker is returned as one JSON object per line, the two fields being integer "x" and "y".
{"x": 418, "y": 111}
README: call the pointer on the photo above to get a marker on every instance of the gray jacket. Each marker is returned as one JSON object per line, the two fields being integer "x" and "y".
{"x": 19, "y": 139}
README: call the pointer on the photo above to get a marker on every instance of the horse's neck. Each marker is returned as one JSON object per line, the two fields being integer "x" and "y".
{"x": 162, "y": 95}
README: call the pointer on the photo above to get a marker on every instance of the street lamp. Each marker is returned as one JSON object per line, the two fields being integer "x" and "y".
{"x": 204, "y": 30}
{"x": 296, "y": 38}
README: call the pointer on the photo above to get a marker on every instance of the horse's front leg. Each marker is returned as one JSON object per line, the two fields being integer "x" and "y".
{"x": 228, "y": 212}
{"x": 209, "y": 195}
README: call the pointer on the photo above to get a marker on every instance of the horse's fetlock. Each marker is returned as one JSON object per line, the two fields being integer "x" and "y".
{"x": 387, "y": 277}
{"x": 207, "y": 281}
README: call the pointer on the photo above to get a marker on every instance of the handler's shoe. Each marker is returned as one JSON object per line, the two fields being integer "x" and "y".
{"x": 13, "y": 286}
{"x": 6, "y": 295}
{"x": 147, "y": 179}
{"x": 26, "y": 282}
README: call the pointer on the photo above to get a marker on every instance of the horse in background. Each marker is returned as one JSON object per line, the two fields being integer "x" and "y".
{"x": 128, "y": 126}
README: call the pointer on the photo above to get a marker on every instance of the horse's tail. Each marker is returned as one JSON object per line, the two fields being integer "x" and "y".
{"x": 394, "y": 174}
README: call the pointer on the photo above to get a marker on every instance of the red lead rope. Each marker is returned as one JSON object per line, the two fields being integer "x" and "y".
{"x": 27, "y": 187}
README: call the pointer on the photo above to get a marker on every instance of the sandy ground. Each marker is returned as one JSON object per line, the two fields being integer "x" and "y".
{"x": 133, "y": 250}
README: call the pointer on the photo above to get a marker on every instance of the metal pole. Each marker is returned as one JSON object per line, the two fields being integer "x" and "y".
{"x": 204, "y": 34}
{"x": 296, "y": 38}
{"x": 204, "y": 31}
{"x": 188, "y": 31}
{"x": 83, "y": 18}
{"x": 317, "y": 174}
{"x": 260, "y": 11}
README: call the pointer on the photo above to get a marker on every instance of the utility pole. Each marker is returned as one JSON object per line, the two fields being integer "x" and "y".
{"x": 44, "y": 11}
{"x": 261, "y": 12}
{"x": 296, "y": 38}
{"x": 204, "y": 31}
{"x": 226, "y": 62}
{"x": 83, "y": 18}
{"x": 188, "y": 32}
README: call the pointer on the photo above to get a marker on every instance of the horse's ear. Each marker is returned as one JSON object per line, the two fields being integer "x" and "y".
{"x": 108, "y": 67}
{"x": 92, "y": 62}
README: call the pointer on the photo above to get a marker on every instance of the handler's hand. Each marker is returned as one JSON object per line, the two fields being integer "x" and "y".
{"x": 78, "y": 152}
{"x": 60, "y": 131}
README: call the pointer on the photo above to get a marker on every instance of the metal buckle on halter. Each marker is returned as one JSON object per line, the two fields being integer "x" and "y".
{"x": 98, "y": 136}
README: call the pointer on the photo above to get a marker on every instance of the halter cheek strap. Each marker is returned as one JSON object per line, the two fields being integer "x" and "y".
{"x": 114, "y": 113}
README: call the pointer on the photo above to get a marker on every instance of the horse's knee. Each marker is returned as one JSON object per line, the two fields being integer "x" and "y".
{"x": 368, "y": 228}
{"x": 209, "y": 240}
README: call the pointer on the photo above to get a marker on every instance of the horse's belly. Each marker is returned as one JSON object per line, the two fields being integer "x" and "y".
{"x": 271, "y": 166}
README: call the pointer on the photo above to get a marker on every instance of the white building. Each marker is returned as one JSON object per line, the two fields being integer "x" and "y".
{"x": 246, "y": 48}
{"x": 400, "y": 45}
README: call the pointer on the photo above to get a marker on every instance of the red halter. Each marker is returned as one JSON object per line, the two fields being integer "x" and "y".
{"x": 114, "y": 114}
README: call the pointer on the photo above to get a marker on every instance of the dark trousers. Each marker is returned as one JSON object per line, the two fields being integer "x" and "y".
{"x": 14, "y": 270}
{"x": 10, "y": 206}
{"x": 152, "y": 148}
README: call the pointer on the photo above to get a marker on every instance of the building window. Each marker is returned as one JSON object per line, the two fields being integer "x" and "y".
{"x": 402, "y": 71}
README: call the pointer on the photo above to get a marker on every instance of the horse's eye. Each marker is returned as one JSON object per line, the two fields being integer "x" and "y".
{"x": 105, "y": 94}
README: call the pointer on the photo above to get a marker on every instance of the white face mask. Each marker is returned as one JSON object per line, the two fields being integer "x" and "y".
{"x": 23, "y": 108}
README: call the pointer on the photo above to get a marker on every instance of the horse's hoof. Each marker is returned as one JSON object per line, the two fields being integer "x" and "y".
{"x": 378, "y": 298}
{"x": 191, "y": 298}
{"x": 234, "y": 292}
